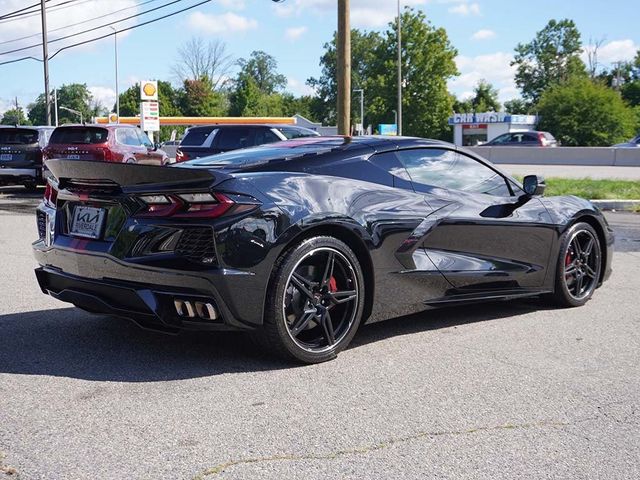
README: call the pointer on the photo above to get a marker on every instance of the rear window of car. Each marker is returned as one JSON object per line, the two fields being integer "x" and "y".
{"x": 18, "y": 136}
{"x": 197, "y": 137}
{"x": 296, "y": 132}
{"x": 81, "y": 135}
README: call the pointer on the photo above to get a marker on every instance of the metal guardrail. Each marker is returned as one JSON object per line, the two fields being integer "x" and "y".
{"x": 586, "y": 156}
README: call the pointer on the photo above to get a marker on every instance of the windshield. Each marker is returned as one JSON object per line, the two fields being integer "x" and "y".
{"x": 18, "y": 136}
{"x": 83, "y": 135}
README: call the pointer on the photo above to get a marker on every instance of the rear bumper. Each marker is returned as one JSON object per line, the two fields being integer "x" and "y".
{"x": 100, "y": 284}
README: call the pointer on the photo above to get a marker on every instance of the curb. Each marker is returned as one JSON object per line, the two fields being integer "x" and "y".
{"x": 623, "y": 205}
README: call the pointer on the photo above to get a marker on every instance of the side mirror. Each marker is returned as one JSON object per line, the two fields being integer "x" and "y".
{"x": 156, "y": 146}
{"x": 533, "y": 185}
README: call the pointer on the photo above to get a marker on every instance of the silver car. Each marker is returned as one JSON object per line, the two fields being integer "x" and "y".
{"x": 635, "y": 143}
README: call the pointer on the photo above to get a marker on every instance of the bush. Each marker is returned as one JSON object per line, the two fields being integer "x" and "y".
{"x": 586, "y": 113}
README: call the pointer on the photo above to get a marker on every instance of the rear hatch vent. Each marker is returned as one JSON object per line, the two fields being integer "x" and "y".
{"x": 196, "y": 244}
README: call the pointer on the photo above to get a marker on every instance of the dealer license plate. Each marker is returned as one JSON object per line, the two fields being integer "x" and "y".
{"x": 6, "y": 156}
{"x": 87, "y": 222}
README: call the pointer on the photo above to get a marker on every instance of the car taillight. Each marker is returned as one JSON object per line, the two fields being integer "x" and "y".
{"x": 106, "y": 154}
{"x": 50, "y": 194}
{"x": 192, "y": 205}
{"x": 181, "y": 156}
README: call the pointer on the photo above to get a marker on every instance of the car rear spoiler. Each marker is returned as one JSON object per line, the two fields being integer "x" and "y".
{"x": 130, "y": 175}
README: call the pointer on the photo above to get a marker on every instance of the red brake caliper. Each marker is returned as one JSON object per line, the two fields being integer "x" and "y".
{"x": 333, "y": 286}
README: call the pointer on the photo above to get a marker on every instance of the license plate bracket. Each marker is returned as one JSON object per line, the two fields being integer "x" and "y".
{"x": 87, "y": 222}
{"x": 6, "y": 156}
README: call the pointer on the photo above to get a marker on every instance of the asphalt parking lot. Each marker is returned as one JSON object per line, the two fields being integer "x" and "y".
{"x": 503, "y": 390}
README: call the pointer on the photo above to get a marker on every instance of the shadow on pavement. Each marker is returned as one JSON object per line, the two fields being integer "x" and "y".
{"x": 71, "y": 343}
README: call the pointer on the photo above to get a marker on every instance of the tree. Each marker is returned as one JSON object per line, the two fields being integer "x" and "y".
{"x": 428, "y": 63}
{"x": 462, "y": 106}
{"x": 198, "y": 59}
{"x": 75, "y": 96}
{"x": 517, "y": 106}
{"x": 485, "y": 98}
{"x": 631, "y": 93}
{"x": 582, "y": 112}
{"x": 364, "y": 47}
{"x": 552, "y": 57}
{"x": 262, "y": 68}
{"x": 257, "y": 87}
{"x": 197, "y": 99}
{"x": 14, "y": 116}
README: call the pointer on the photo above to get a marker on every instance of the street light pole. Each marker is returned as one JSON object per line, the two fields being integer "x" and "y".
{"x": 361, "y": 108}
{"x": 74, "y": 111}
{"x": 344, "y": 68}
{"x": 45, "y": 59}
{"x": 399, "y": 113}
{"x": 115, "y": 46}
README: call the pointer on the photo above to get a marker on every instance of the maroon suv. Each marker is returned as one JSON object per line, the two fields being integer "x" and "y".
{"x": 107, "y": 143}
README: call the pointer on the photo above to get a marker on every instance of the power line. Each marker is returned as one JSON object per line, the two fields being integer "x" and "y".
{"x": 21, "y": 49}
{"x": 52, "y": 8}
{"x": 89, "y": 20}
{"x": 109, "y": 34}
{"x": 10, "y": 14}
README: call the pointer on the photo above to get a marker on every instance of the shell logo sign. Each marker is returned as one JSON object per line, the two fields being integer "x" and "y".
{"x": 149, "y": 90}
{"x": 113, "y": 118}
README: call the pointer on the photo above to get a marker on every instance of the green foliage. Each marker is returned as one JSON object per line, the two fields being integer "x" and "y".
{"x": 462, "y": 106}
{"x": 582, "y": 112}
{"x": 485, "y": 98}
{"x": 262, "y": 68}
{"x": 14, "y": 116}
{"x": 593, "y": 189}
{"x": 75, "y": 96}
{"x": 428, "y": 62}
{"x": 552, "y": 57}
{"x": 631, "y": 93}
{"x": 517, "y": 106}
{"x": 364, "y": 48}
{"x": 197, "y": 99}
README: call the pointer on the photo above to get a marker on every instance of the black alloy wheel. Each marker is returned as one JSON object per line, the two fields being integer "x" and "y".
{"x": 316, "y": 305}
{"x": 579, "y": 266}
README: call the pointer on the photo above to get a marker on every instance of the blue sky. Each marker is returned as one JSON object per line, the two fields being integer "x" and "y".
{"x": 485, "y": 33}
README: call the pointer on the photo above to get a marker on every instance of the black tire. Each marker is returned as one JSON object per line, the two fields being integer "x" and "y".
{"x": 578, "y": 267}
{"x": 315, "y": 301}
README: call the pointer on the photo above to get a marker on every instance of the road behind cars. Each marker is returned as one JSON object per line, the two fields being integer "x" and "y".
{"x": 507, "y": 390}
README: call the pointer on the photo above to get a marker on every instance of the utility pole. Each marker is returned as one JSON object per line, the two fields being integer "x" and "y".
{"x": 115, "y": 45}
{"x": 45, "y": 59}
{"x": 55, "y": 104}
{"x": 361, "y": 109}
{"x": 399, "y": 125}
{"x": 344, "y": 68}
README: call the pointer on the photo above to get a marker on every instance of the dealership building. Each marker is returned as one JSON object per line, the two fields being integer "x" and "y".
{"x": 472, "y": 128}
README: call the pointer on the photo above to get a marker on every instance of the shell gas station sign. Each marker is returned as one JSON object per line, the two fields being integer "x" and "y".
{"x": 148, "y": 90}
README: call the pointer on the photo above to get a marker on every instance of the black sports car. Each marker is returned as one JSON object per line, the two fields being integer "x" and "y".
{"x": 301, "y": 241}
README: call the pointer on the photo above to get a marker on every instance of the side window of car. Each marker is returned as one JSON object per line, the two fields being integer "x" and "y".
{"x": 529, "y": 138}
{"x": 233, "y": 138}
{"x": 143, "y": 139}
{"x": 501, "y": 139}
{"x": 452, "y": 170}
{"x": 265, "y": 135}
{"x": 388, "y": 162}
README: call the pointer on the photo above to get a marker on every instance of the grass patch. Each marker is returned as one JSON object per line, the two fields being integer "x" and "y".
{"x": 593, "y": 189}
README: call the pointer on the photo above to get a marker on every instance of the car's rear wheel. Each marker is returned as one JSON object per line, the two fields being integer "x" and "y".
{"x": 579, "y": 265}
{"x": 315, "y": 301}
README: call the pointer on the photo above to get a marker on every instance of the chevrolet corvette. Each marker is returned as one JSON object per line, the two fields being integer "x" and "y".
{"x": 302, "y": 241}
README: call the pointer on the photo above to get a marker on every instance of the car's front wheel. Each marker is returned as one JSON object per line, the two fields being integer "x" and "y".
{"x": 579, "y": 266}
{"x": 315, "y": 301}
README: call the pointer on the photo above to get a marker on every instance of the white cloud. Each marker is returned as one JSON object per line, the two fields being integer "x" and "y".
{"x": 299, "y": 88}
{"x": 232, "y": 4}
{"x": 364, "y": 13}
{"x": 483, "y": 35}
{"x": 614, "y": 51}
{"x": 295, "y": 33}
{"x": 62, "y": 20}
{"x": 494, "y": 68}
{"x": 220, "y": 24}
{"x": 104, "y": 96}
{"x": 466, "y": 9}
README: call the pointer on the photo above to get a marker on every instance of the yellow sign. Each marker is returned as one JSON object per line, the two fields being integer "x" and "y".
{"x": 149, "y": 90}
{"x": 113, "y": 118}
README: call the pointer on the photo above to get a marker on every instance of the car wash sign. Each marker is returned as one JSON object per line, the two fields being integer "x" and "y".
{"x": 491, "y": 117}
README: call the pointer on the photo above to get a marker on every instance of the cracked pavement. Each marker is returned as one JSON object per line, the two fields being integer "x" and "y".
{"x": 504, "y": 390}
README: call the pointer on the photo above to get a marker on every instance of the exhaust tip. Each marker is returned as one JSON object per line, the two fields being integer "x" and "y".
{"x": 206, "y": 311}
{"x": 184, "y": 308}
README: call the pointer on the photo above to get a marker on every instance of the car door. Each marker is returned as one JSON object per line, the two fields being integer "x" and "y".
{"x": 485, "y": 234}
{"x": 153, "y": 156}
